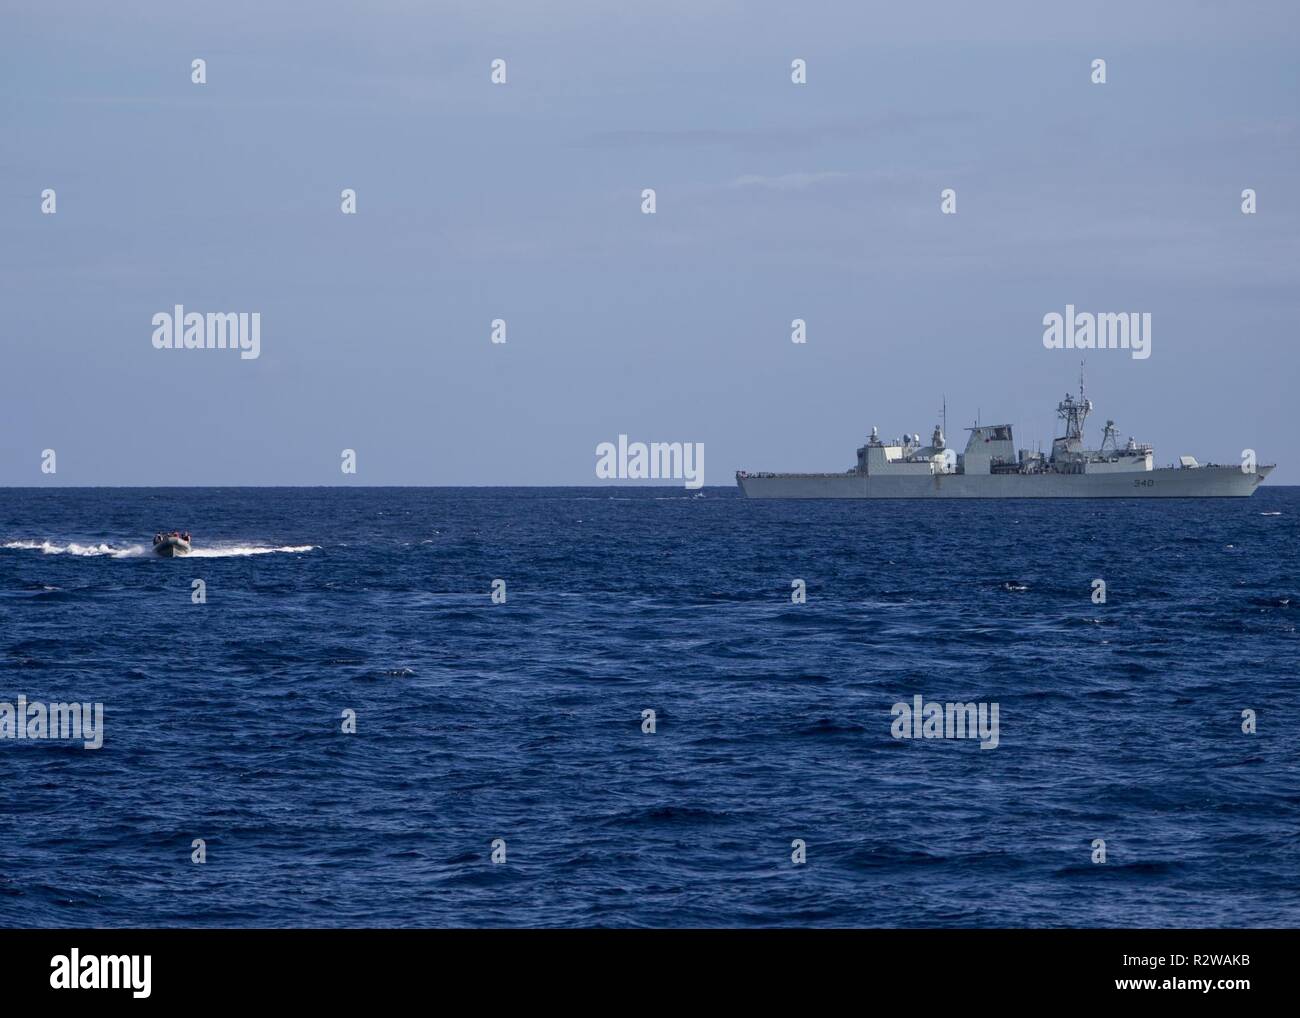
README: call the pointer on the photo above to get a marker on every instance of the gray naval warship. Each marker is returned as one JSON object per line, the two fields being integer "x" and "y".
{"x": 991, "y": 467}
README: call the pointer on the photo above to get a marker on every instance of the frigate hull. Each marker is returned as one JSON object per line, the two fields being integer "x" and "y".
{"x": 1162, "y": 482}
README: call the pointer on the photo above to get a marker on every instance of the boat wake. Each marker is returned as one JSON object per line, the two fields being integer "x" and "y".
{"x": 219, "y": 549}
{"x": 73, "y": 548}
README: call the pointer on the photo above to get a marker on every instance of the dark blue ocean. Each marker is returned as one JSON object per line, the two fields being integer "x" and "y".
{"x": 522, "y": 721}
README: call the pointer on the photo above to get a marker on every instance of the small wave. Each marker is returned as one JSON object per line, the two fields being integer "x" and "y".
{"x": 829, "y": 726}
{"x": 1270, "y": 514}
{"x": 660, "y": 816}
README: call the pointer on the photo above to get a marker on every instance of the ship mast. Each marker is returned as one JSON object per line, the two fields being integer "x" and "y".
{"x": 1075, "y": 413}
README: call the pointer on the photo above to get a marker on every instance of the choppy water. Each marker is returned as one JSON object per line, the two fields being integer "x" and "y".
{"x": 522, "y": 720}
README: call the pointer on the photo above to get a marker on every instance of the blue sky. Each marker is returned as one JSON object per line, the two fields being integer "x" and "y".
{"x": 522, "y": 202}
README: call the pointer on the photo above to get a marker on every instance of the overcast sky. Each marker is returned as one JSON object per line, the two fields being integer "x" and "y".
{"x": 522, "y": 201}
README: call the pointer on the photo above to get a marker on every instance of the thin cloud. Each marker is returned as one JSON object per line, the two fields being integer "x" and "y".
{"x": 777, "y": 136}
{"x": 788, "y": 181}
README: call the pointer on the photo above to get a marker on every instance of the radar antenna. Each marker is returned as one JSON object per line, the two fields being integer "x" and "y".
{"x": 1110, "y": 439}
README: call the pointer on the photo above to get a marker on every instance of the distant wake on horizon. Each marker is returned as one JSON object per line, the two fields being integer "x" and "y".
{"x": 93, "y": 549}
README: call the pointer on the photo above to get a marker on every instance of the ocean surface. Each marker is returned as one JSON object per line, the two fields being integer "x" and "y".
{"x": 522, "y": 721}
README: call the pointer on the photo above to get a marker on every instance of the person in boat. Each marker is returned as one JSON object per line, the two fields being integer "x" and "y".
{"x": 157, "y": 538}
